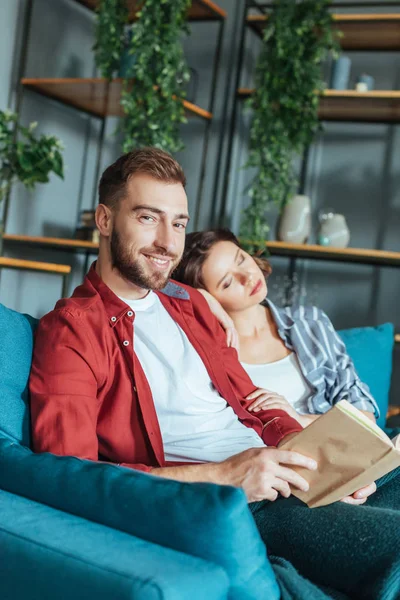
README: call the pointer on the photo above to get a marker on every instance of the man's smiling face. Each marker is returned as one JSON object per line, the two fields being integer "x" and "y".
{"x": 148, "y": 232}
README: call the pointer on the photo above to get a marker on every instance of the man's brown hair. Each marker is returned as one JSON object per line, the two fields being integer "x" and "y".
{"x": 150, "y": 161}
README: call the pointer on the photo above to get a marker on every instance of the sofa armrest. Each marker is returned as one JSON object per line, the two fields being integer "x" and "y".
{"x": 49, "y": 554}
{"x": 208, "y": 521}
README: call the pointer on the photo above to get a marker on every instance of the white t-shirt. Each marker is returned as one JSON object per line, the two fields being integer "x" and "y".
{"x": 196, "y": 423}
{"x": 284, "y": 377}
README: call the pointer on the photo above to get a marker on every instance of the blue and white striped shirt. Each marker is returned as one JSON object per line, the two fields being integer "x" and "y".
{"x": 323, "y": 359}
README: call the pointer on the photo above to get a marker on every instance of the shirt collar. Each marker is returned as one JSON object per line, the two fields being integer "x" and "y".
{"x": 282, "y": 316}
{"x": 117, "y": 308}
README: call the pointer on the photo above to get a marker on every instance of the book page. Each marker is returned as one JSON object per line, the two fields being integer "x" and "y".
{"x": 359, "y": 416}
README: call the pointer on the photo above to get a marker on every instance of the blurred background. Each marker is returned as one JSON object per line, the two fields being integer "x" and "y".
{"x": 351, "y": 168}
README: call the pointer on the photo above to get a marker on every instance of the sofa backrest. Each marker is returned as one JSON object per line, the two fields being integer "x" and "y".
{"x": 16, "y": 343}
{"x": 371, "y": 349}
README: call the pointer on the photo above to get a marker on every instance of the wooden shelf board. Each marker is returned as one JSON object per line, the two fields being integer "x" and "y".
{"x": 200, "y": 9}
{"x": 96, "y": 96}
{"x": 369, "y": 32}
{"x": 357, "y": 255}
{"x": 31, "y": 265}
{"x": 349, "y": 105}
{"x": 51, "y": 242}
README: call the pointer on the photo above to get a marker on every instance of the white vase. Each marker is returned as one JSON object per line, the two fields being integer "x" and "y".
{"x": 333, "y": 231}
{"x": 295, "y": 220}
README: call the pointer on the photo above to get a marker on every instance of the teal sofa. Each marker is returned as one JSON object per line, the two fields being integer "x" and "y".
{"x": 72, "y": 529}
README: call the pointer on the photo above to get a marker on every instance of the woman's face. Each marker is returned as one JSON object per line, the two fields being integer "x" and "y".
{"x": 233, "y": 277}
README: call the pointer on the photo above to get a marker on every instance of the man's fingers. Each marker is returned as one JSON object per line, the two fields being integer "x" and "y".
{"x": 287, "y": 457}
{"x": 292, "y": 478}
{"x": 282, "y": 486}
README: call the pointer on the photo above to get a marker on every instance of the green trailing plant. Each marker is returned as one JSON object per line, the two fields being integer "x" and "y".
{"x": 156, "y": 79}
{"x": 112, "y": 17}
{"x": 26, "y": 157}
{"x": 288, "y": 82}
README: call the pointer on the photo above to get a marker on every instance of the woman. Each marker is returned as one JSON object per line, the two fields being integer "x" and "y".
{"x": 294, "y": 356}
{"x": 297, "y": 353}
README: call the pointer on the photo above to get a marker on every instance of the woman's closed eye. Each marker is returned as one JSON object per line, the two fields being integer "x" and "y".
{"x": 226, "y": 284}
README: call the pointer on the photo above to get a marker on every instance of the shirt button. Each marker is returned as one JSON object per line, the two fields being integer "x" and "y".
{"x": 126, "y": 343}
{"x": 129, "y": 313}
{"x": 134, "y": 389}
{"x": 113, "y": 319}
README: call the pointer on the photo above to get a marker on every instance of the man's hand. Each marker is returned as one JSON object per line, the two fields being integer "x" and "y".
{"x": 232, "y": 338}
{"x": 361, "y": 495}
{"x": 263, "y": 473}
{"x": 266, "y": 399}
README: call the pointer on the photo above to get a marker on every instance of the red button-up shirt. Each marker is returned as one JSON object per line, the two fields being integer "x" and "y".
{"x": 89, "y": 395}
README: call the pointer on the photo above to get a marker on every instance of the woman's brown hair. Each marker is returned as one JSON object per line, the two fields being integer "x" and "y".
{"x": 197, "y": 248}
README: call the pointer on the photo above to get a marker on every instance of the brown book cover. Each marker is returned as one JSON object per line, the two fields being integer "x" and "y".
{"x": 350, "y": 450}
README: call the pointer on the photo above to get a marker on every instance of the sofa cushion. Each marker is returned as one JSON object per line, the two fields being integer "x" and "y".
{"x": 371, "y": 349}
{"x": 205, "y": 520}
{"x": 48, "y": 554}
{"x": 16, "y": 335}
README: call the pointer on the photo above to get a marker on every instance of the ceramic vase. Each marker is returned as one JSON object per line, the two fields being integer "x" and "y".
{"x": 295, "y": 220}
{"x": 333, "y": 231}
{"x": 341, "y": 73}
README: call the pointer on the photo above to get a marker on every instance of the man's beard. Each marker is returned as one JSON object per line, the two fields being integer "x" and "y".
{"x": 132, "y": 271}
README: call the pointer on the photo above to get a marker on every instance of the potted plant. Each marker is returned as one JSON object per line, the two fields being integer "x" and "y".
{"x": 25, "y": 157}
{"x": 288, "y": 82}
{"x": 154, "y": 82}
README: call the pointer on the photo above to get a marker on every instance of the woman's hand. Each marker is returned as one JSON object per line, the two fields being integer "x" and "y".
{"x": 265, "y": 399}
{"x": 361, "y": 495}
{"x": 232, "y": 338}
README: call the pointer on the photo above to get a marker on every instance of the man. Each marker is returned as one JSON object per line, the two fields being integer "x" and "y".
{"x": 135, "y": 370}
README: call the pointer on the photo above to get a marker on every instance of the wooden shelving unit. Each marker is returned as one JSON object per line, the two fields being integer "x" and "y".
{"x": 361, "y": 32}
{"x": 96, "y": 96}
{"x": 70, "y": 245}
{"x": 350, "y": 255}
{"x": 38, "y": 267}
{"x": 100, "y": 98}
{"x": 32, "y": 265}
{"x": 350, "y": 105}
{"x": 358, "y": 255}
{"x": 199, "y": 10}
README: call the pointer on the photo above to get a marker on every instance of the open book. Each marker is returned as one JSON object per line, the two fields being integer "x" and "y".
{"x": 351, "y": 452}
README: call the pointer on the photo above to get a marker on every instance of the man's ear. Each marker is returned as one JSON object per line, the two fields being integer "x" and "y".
{"x": 104, "y": 220}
